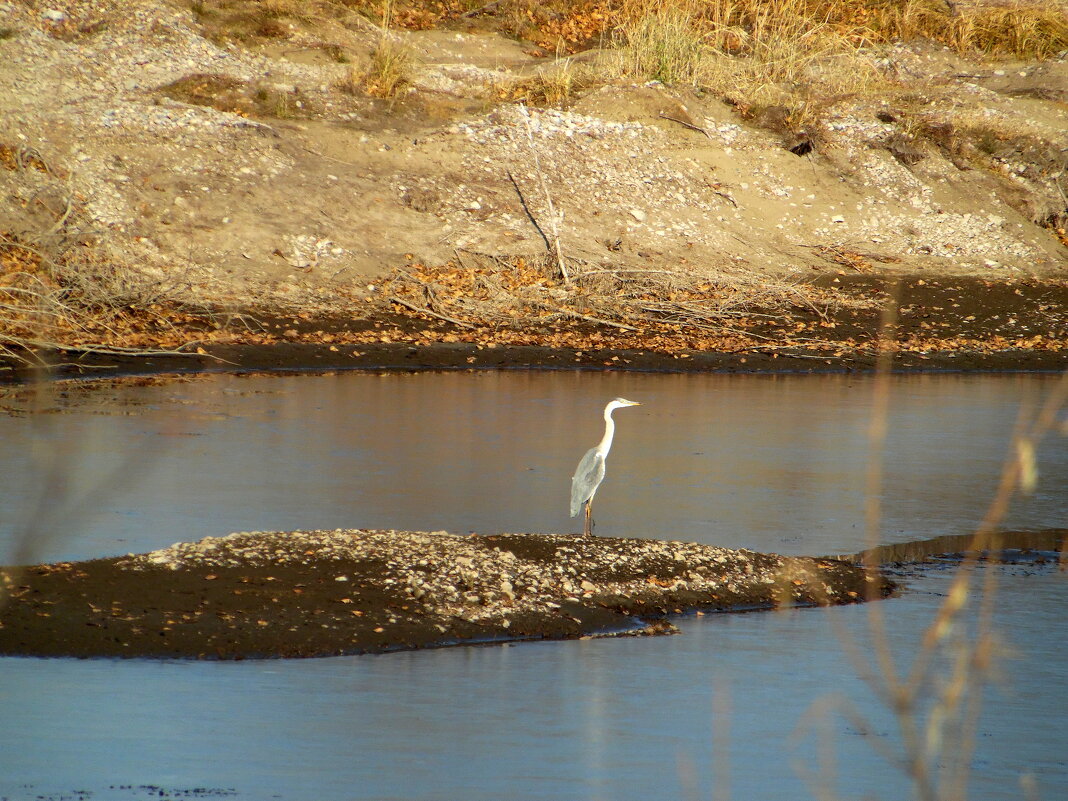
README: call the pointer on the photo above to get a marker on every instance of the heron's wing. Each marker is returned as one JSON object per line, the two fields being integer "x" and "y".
{"x": 588, "y": 476}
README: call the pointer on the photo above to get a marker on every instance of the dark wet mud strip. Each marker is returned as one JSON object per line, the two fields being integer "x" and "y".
{"x": 324, "y": 593}
{"x": 953, "y": 323}
{"x": 1006, "y": 547}
{"x": 303, "y": 357}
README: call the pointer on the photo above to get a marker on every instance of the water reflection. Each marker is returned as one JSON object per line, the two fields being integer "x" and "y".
{"x": 726, "y": 706}
{"x": 768, "y": 462}
{"x": 765, "y": 462}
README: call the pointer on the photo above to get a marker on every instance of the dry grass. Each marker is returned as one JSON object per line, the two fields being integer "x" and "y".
{"x": 385, "y": 74}
{"x": 799, "y": 57}
{"x": 755, "y": 55}
{"x": 389, "y": 68}
{"x": 782, "y": 33}
{"x": 666, "y": 44}
{"x": 274, "y": 102}
{"x": 1036, "y": 29}
{"x": 555, "y": 85}
{"x": 1016, "y": 28}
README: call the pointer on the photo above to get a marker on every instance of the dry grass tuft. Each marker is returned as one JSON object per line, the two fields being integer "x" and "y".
{"x": 666, "y": 44}
{"x": 555, "y": 85}
{"x": 390, "y": 68}
{"x": 385, "y": 74}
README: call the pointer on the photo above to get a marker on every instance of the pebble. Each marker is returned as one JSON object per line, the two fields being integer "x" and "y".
{"x": 420, "y": 563}
{"x": 109, "y": 80}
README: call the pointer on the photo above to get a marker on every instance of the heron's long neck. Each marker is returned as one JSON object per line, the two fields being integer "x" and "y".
{"x": 609, "y": 432}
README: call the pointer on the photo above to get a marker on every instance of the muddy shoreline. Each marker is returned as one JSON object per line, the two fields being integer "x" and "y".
{"x": 327, "y": 593}
{"x": 950, "y": 324}
{"x": 289, "y": 357}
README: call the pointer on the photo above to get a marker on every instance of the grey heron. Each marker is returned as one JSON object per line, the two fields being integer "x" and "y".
{"x": 590, "y": 471}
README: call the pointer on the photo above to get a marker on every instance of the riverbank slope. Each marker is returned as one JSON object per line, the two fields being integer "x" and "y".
{"x": 209, "y": 179}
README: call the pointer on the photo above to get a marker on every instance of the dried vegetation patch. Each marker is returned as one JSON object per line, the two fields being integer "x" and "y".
{"x": 58, "y": 297}
{"x": 252, "y": 99}
{"x": 658, "y": 309}
{"x": 386, "y": 72}
{"x": 60, "y": 291}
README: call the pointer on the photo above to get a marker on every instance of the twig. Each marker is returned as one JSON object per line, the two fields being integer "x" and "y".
{"x": 329, "y": 158}
{"x": 527, "y": 211}
{"x": 548, "y": 198}
{"x": 78, "y": 365}
{"x": 115, "y": 350}
{"x": 685, "y": 124}
{"x": 478, "y": 10}
{"x": 64, "y": 217}
{"x": 422, "y": 310}
{"x": 615, "y": 272}
{"x": 723, "y": 195}
{"x": 586, "y": 317}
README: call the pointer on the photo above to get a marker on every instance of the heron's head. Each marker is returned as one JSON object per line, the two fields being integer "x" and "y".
{"x": 619, "y": 403}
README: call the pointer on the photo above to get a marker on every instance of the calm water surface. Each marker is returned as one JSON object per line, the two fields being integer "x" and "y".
{"x": 738, "y": 706}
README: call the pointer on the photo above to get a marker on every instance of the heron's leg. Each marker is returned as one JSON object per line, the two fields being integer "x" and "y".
{"x": 587, "y": 529}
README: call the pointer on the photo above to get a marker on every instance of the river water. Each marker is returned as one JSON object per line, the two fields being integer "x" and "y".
{"x": 750, "y": 706}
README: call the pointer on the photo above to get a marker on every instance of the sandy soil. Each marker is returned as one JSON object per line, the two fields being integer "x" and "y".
{"x": 240, "y": 176}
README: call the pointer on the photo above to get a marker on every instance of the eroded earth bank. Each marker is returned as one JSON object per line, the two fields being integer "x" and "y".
{"x": 208, "y": 184}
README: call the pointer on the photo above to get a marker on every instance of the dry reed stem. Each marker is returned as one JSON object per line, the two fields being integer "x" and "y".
{"x": 937, "y": 751}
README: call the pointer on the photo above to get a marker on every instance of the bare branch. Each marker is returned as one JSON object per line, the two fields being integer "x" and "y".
{"x": 422, "y": 310}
